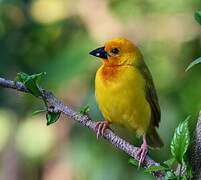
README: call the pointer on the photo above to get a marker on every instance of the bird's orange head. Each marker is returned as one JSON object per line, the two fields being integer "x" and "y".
{"x": 117, "y": 52}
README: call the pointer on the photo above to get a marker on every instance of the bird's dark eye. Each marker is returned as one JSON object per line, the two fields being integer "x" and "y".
{"x": 115, "y": 51}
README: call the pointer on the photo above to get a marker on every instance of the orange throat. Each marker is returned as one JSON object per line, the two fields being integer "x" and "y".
{"x": 110, "y": 72}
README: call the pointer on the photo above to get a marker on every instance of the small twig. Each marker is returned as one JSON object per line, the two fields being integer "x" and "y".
{"x": 86, "y": 121}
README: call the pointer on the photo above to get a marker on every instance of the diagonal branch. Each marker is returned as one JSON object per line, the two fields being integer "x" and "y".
{"x": 85, "y": 121}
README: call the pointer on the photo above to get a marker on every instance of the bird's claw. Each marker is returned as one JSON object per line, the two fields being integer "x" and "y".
{"x": 142, "y": 152}
{"x": 101, "y": 127}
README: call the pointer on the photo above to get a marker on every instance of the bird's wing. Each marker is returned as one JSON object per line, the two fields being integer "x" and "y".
{"x": 151, "y": 95}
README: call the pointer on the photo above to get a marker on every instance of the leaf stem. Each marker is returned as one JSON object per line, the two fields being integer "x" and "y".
{"x": 180, "y": 170}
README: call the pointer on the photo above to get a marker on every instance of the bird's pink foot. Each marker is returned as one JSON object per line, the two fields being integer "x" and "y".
{"x": 142, "y": 152}
{"x": 101, "y": 127}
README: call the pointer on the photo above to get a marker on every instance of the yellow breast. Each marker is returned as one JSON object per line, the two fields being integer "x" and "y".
{"x": 120, "y": 94}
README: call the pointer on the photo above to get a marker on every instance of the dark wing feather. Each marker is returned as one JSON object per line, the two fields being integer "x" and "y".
{"x": 151, "y": 95}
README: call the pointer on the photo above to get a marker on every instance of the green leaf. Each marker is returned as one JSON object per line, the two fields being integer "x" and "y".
{"x": 180, "y": 141}
{"x": 169, "y": 162}
{"x": 22, "y": 77}
{"x": 31, "y": 82}
{"x": 184, "y": 178}
{"x": 85, "y": 109}
{"x": 170, "y": 175}
{"x": 38, "y": 112}
{"x": 133, "y": 162}
{"x": 156, "y": 168}
{"x": 197, "y": 61}
{"x": 197, "y": 16}
{"x": 52, "y": 117}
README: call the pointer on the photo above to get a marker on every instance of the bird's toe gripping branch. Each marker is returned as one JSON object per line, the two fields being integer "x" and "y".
{"x": 101, "y": 127}
{"x": 142, "y": 152}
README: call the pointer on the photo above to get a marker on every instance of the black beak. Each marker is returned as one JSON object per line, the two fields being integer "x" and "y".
{"x": 99, "y": 52}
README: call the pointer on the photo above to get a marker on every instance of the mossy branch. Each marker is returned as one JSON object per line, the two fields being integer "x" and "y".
{"x": 195, "y": 151}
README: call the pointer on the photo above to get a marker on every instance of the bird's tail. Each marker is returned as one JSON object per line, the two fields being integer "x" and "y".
{"x": 153, "y": 139}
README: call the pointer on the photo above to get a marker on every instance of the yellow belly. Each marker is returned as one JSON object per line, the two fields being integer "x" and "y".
{"x": 121, "y": 98}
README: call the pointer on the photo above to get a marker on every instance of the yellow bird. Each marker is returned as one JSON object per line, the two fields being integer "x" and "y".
{"x": 126, "y": 94}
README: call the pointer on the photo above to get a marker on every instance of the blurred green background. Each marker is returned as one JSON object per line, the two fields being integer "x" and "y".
{"x": 55, "y": 36}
